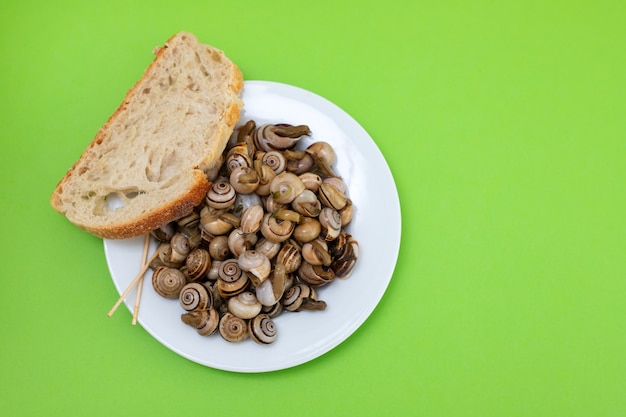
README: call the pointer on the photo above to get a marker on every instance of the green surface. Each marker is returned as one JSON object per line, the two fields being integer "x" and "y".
{"x": 504, "y": 126}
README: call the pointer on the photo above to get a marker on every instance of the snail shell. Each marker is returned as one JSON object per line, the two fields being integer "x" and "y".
{"x": 272, "y": 206}
{"x": 231, "y": 279}
{"x": 307, "y": 230}
{"x": 216, "y": 222}
{"x": 275, "y": 160}
{"x": 251, "y": 219}
{"x": 213, "y": 272}
{"x": 197, "y": 264}
{"x": 204, "y": 321}
{"x": 289, "y": 256}
{"x": 244, "y": 305}
{"x": 330, "y": 221}
{"x": 346, "y": 213}
{"x": 276, "y": 230}
{"x": 302, "y": 297}
{"x": 262, "y": 329}
{"x": 307, "y": 204}
{"x": 298, "y": 162}
{"x": 266, "y": 175}
{"x": 244, "y": 201}
{"x": 331, "y": 197}
{"x": 244, "y": 180}
{"x": 188, "y": 224}
{"x": 256, "y": 264}
{"x": 267, "y": 247}
{"x": 272, "y": 289}
{"x": 168, "y": 282}
{"x": 221, "y": 195}
{"x": 278, "y": 136}
{"x": 324, "y": 156}
{"x": 180, "y": 248}
{"x": 311, "y": 181}
{"x": 195, "y": 296}
{"x": 285, "y": 187}
{"x": 233, "y": 328}
{"x": 344, "y": 263}
{"x": 239, "y": 242}
{"x": 164, "y": 257}
{"x": 315, "y": 275}
{"x": 316, "y": 253}
{"x": 218, "y": 248}
{"x": 238, "y": 156}
{"x": 337, "y": 183}
{"x": 273, "y": 310}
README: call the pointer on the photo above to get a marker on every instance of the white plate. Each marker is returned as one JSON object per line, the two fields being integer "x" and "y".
{"x": 376, "y": 225}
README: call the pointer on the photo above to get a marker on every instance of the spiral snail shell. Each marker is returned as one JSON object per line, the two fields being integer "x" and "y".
{"x": 285, "y": 187}
{"x": 244, "y": 180}
{"x": 302, "y": 297}
{"x": 168, "y": 282}
{"x": 307, "y": 204}
{"x": 231, "y": 279}
{"x": 331, "y": 197}
{"x": 197, "y": 264}
{"x": 204, "y": 321}
{"x": 218, "y": 248}
{"x": 195, "y": 296}
{"x": 276, "y": 230}
{"x": 233, "y": 328}
{"x": 180, "y": 248}
{"x": 298, "y": 162}
{"x": 238, "y": 156}
{"x": 278, "y": 136}
{"x": 315, "y": 275}
{"x": 244, "y": 305}
{"x": 316, "y": 253}
{"x": 262, "y": 330}
{"x": 289, "y": 256}
{"x": 239, "y": 241}
{"x": 275, "y": 160}
{"x": 345, "y": 261}
{"x": 221, "y": 195}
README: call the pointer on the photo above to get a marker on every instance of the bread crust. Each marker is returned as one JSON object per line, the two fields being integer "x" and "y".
{"x": 174, "y": 209}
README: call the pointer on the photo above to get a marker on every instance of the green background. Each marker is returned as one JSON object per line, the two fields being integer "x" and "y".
{"x": 504, "y": 126}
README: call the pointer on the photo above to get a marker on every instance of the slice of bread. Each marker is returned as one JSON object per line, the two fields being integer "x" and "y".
{"x": 147, "y": 165}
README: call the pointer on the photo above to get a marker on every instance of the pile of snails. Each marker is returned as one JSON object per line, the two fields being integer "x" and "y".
{"x": 270, "y": 231}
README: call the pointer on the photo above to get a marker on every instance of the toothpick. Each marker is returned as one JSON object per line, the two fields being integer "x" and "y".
{"x": 133, "y": 283}
{"x": 146, "y": 245}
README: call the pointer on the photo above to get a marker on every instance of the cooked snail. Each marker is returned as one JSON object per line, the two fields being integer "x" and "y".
{"x": 285, "y": 187}
{"x": 271, "y": 229}
{"x": 301, "y": 297}
{"x": 279, "y": 136}
{"x": 221, "y": 195}
{"x": 197, "y": 264}
{"x": 231, "y": 280}
{"x": 233, "y": 328}
{"x": 204, "y": 321}
{"x": 168, "y": 282}
{"x": 195, "y": 296}
{"x": 262, "y": 330}
{"x": 244, "y": 305}
{"x": 256, "y": 264}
